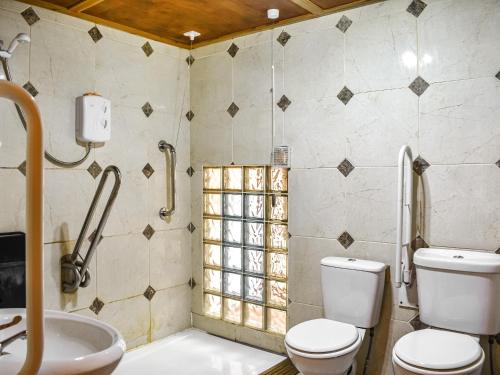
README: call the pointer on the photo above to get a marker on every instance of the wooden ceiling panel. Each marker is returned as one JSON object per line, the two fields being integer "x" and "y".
{"x": 327, "y": 4}
{"x": 213, "y": 19}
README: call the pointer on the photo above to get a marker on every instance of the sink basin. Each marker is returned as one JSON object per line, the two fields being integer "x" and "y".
{"x": 73, "y": 345}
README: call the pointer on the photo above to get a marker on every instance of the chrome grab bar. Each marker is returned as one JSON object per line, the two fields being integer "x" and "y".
{"x": 20, "y": 335}
{"x": 74, "y": 272}
{"x": 170, "y": 158}
{"x": 13, "y": 322}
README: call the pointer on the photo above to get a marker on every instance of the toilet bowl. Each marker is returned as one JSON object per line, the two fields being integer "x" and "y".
{"x": 323, "y": 346}
{"x": 437, "y": 352}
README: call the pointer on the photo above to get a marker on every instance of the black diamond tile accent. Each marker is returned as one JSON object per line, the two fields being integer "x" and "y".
{"x": 233, "y": 109}
{"x": 498, "y": 75}
{"x": 191, "y": 227}
{"x": 22, "y": 168}
{"x": 95, "y": 34}
{"x": 498, "y": 163}
{"x": 418, "y": 86}
{"x": 190, "y": 60}
{"x": 345, "y": 167}
{"x": 190, "y": 171}
{"x": 190, "y": 115}
{"x": 416, "y": 7}
{"x": 147, "y": 109}
{"x": 148, "y": 232}
{"x": 418, "y": 243}
{"x": 96, "y": 306}
{"x": 284, "y": 103}
{"x": 149, "y": 293}
{"x": 420, "y": 165}
{"x": 344, "y": 23}
{"x": 28, "y": 86}
{"x": 30, "y": 16}
{"x": 417, "y": 324}
{"x": 148, "y": 50}
{"x": 191, "y": 283}
{"x": 345, "y": 240}
{"x": 94, "y": 169}
{"x": 233, "y": 50}
{"x": 148, "y": 170}
{"x": 283, "y": 38}
{"x": 345, "y": 95}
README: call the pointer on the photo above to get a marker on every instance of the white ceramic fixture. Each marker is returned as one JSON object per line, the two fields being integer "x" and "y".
{"x": 74, "y": 345}
{"x": 352, "y": 297}
{"x": 458, "y": 290}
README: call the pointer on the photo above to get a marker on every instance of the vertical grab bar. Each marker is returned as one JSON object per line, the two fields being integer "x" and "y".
{"x": 170, "y": 158}
{"x": 34, "y": 225}
{"x": 404, "y": 205}
{"x": 74, "y": 273}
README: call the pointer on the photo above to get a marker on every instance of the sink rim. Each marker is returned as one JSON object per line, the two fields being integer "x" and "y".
{"x": 109, "y": 355}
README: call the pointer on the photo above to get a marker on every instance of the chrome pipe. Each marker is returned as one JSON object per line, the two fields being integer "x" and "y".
{"x": 74, "y": 272}
{"x": 170, "y": 157}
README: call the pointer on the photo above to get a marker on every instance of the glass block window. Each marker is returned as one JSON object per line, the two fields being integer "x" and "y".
{"x": 245, "y": 245}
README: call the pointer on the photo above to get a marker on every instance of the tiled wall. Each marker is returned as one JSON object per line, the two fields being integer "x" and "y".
{"x": 63, "y": 61}
{"x": 360, "y": 85}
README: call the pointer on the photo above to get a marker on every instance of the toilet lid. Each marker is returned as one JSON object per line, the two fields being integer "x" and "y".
{"x": 437, "y": 350}
{"x": 321, "y": 336}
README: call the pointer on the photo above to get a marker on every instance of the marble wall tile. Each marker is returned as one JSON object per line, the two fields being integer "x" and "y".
{"x": 371, "y": 195}
{"x": 12, "y": 136}
{"x": 170, "y": 311}
{"x": 378, "y": 124}
{"x": 462, "y": 206}
{"x": 12, "y": 24}
{"x": 131, "y": 317}
{"x": 316, "y": 132}
{"x": 460, "y": 122}
{"x": 319, "y": 57}
{"x": 12, "y": 214}
{"x": 299, "y": 312}
{"x": 122, "y": 267}
{"x": 322, "y": 212}
{"x": 170, "y": 258}
{"x": 457, "y": 40}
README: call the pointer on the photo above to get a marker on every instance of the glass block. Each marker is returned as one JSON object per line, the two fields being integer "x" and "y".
{"x": 211, "y": 280}
{"x": 254, "y": 316}
{"x": 276, "y": 293}
{"x": 232, "y": 257}
{"x": 212, "y": 178}
{"x": 232, "y": 231}
{"x": 212, "y": 204}
{"x": 211, "y": 255}
{"x": 233, "y": 178}
{"x": 254, "y": 234}
{"x": 254, "y": 178}
{"x": 232, "y": 205}
{"x": 278, "y": 207}
{"x": 276, "y": 321}
{"x": 254, "y": 288}
{"x": 254, "y": 261}
{"x": 254, "y": 206}
{"x": 213, "y": 305}
{"x": 279, "y": 179}
{"x": 212, "y": 229}
{"x": 232, "y": 284}
{"x": 232, "y": 310}
{"x": 276, "y": 265}
{"x": 277, "y": 235}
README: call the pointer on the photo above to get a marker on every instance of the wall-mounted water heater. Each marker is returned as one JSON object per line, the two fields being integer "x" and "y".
{"x": 93, "y": 119}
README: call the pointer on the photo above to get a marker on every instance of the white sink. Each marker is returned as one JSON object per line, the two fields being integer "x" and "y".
{"x": 73, "y": 345}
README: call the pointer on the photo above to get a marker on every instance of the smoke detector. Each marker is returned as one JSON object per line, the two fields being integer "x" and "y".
{"x": 192, "y": 34}
{"x": 273, "y": 14}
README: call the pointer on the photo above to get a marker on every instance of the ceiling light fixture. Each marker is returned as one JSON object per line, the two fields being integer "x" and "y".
{"x": 192, "y": 34}
{"x": 273, "y": 14}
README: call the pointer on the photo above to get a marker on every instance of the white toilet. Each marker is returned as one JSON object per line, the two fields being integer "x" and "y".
{"x": 459, "y": 297}
{"x": 352, "y": 297}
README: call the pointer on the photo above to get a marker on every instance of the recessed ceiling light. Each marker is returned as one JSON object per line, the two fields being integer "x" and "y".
{"x": 273, "y": 14}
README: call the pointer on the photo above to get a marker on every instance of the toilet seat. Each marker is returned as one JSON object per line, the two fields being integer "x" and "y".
{"x": 435, "y": 351}
{"x": 323, "y": 338}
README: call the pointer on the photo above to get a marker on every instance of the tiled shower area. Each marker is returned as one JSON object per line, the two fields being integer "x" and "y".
{"x": 240, "y": 258}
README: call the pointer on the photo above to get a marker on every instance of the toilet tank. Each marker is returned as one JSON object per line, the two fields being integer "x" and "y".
{"x": 459, "y": 290}
{"x": 352, "y": 290}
